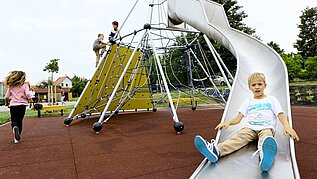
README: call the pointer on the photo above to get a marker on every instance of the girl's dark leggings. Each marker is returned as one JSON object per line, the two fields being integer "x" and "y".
{"x": 17, "y": 115}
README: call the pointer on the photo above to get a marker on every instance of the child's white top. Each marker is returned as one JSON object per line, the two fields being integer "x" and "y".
{"x": 261, "y": 113}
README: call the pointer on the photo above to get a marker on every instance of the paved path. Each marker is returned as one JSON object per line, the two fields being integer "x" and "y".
{"x": 138, "y": 145}
{"x": 5, "y": 108}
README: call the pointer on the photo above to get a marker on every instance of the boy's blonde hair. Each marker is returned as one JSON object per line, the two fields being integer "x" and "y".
{"x": 15, "y": 78}
{"x": 99, "y": 35}
{"x": 256, "y": 75}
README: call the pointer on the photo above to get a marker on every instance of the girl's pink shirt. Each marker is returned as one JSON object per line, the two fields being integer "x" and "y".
{"x": 19, "y": 95}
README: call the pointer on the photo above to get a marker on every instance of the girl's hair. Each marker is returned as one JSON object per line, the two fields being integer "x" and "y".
{"x": 15, "y": 78}
{"x": 256, "y": 75}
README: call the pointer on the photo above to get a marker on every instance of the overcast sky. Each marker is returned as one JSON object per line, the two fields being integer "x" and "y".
{"x": 35, "y": 31}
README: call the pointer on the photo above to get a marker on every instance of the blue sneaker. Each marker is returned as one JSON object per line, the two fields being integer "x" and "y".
{"x": 267, "y": 155}
{"x": 208, "y": 149}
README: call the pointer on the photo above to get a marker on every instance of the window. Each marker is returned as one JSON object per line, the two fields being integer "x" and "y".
{"x": 62, "y": 84}
{"x": 66, "y": 85}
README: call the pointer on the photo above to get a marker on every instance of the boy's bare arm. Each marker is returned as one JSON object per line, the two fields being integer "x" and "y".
{"x": 233, "y": 121}
{"x": 286, "y": 127}
{"x": 103, "y": 42}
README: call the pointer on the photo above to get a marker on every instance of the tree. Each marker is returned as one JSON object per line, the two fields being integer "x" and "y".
{"x": 293, "y": 63}
{"x": 276, "y": 47}
{"x": 78, "y": 85}
{"x": 52, "y": 67}
{"x": 307, "y": 42}
{"x": 42, "y": 84}
{"x": 311, "y": 68}
{"x": 236, "y": 15}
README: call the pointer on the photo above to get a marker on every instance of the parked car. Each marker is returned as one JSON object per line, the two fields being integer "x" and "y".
{"x": 217, "y": 94}
{"x": 219, "y": 80}
{"x": 155, "y": 88}
{"x": 212, "y": 92}
{"x": 226, "y": 93}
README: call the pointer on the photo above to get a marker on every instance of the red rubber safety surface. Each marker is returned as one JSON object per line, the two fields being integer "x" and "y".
{"x": 131, "y": 145}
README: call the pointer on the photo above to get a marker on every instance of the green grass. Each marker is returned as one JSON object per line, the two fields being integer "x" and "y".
{"x": 303, "y": 83}
{"x": 175, "y": 94}
{"x": 75, "y": 98}
{"x": 5, "y": 116}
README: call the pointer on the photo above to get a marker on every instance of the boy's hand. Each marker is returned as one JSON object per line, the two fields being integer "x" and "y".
{"x": 222, "y": 125}
{"x": 291, "y": 132}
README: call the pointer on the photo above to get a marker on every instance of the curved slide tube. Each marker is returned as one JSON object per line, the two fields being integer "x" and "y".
{"x": 252, "y": 55}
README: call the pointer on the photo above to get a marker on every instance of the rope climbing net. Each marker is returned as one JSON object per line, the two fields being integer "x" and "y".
{"x": 140, "y": 69}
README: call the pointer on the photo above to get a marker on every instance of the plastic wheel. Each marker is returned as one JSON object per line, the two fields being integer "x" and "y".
{"x": 67, "y": 121}
{"x": 147, "y": 26}
{"x": 97, "y": 127}
{"x": 178, "y": 127}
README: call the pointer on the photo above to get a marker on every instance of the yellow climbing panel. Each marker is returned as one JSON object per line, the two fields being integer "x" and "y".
{"x": 133, "y": 92}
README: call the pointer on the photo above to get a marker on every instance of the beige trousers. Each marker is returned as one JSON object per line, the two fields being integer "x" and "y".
{"x": 242, "y": 138}
{"x": 96, "y": 50}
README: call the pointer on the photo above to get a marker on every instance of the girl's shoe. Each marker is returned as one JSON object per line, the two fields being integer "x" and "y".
{"x": 16, "y": 141}
{"x": 16, "y": 133}
{"x": 208, "y": 149}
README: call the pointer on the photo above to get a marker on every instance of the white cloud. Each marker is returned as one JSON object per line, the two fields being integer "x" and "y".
{"x": 1, "y": 55}
{"x": 276, "y": 21}
{"x": 65, "y": 29}
{"x": 56, "y": 23}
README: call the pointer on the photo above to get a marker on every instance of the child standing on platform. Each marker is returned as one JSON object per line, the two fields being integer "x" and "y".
{"x": 114, "y": 33}
{"x": 19, "y": 94}
{"x": 261, "y": 113}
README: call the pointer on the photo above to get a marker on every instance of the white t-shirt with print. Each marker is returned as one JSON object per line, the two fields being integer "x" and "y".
{"x": 261, "y": 113}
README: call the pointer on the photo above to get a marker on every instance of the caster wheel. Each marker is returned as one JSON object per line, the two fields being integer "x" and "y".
{"x": 67, "y": 121}
{"x": 147, "y": 26}
{"x": 178, "y": 127}
{"x": 82, "y": 115}
{"x": 194, "y": 108}
{"x": 97, "y": 127}
{"x": 154, "y": 109}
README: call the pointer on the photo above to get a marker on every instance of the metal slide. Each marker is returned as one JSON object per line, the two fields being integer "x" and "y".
{"x": 252, "y": 55}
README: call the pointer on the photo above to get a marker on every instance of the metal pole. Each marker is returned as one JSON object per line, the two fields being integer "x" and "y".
{"x": 190, "y": 71}
{"x": 136, "y": 2}
{"x": 174, "y": 29}
{"x": 55, "y": 95}
{"x": 175, "y": 118}
{"x": 49, "y": 94}
{"x": 216, "y": 59}
{"x": 101, "y": 119}
{"x": 209, "y": 77}
{"x": 221, "y": 61}
{"x": 79, "y": 99}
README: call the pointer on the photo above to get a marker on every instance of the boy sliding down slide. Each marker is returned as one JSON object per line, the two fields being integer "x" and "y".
{"x": 260, "y": 113}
